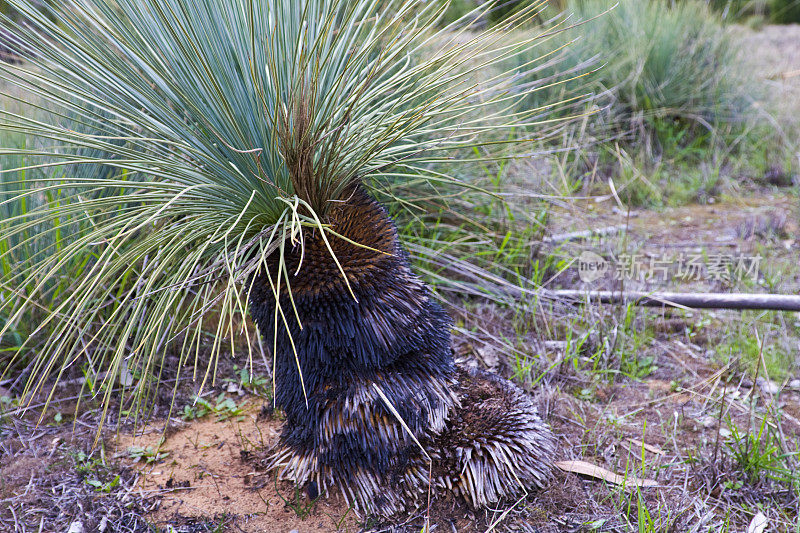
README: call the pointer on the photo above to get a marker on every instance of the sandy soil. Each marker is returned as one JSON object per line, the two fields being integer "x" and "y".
{"x": 207, "y": 473}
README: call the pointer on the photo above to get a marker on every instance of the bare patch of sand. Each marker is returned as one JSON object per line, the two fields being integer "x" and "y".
{"x": 204, "y": 477}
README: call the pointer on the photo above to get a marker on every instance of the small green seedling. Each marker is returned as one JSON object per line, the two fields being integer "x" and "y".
{"x": 148, "y": 454}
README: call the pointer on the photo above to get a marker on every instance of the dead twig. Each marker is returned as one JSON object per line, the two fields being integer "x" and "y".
{"x": 739, "y": 301}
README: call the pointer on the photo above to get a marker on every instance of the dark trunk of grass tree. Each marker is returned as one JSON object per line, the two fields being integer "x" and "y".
{"x": 386, "y": 338}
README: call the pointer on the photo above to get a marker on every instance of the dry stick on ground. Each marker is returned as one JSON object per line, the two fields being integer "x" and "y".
{"x": 699, "y": 300}
{"x": 683, "y": 300}
{"x": 583, "y": 235}
{"x": 785, "y": 75}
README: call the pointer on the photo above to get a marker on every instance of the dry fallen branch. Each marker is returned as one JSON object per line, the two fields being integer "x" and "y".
{"x": 785, "y": 75}
{"x": 583, "y": 235}
{"x": 700, "y": 300}
{"x": 684, "y": 300}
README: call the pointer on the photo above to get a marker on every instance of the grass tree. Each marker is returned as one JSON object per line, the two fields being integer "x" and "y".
{"x": 246, "y": 138}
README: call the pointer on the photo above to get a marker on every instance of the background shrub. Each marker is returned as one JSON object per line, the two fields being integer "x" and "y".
{"x": 784, "y": 11}
{"x": 738, "y": 10}
{"x": 506, "y": 9}
{"x": 649, "y": 61}
{"x": 458, "y": 8}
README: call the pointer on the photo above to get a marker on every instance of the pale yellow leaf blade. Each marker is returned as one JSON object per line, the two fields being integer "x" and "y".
{"x": 588, "y": 469}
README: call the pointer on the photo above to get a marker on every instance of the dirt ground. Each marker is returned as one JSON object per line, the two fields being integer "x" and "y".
{"x": 210, "y": 471}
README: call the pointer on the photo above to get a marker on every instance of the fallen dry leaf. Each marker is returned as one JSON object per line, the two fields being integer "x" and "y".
{"x": 758, "y": 524}
{"x": 648, "y": 447}
{"x": 588, "y": 469}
